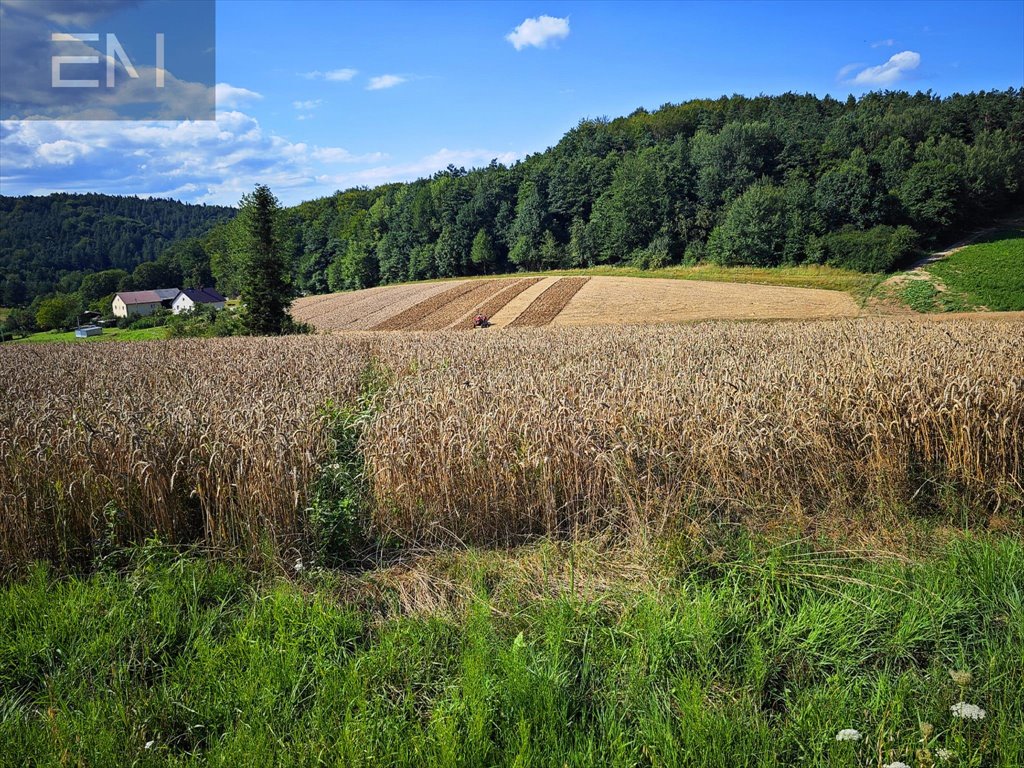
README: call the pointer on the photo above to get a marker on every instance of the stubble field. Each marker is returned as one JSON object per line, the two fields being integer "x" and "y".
{"x": 584, "y": 300}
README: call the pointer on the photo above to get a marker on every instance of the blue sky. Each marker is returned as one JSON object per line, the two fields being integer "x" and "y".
{"x": 319, "y": 96}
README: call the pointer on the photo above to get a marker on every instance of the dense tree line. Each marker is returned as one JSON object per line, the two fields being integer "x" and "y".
{"x": 50, "y": 244}
{"x": 767, "y": 181}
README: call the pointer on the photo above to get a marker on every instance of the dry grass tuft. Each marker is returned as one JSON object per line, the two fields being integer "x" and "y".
{"x": 446, "y": 583}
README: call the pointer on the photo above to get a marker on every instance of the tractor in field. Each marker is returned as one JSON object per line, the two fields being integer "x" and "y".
{"x": 481, "y": 321}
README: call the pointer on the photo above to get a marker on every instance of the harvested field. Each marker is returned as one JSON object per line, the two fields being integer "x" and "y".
{"x": 497, "y": 302}
{"x": 515, "y": 307}
{"x": 418, "y": 312}
{"x": 362, "y": 310}
{"x": 454, "y": 310}
{"x": 607, "y": 300}
{"x": 550, "y": 303}
{"x": 554, "y": 300}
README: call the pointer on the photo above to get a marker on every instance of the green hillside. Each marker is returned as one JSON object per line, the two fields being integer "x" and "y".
{"x": 989, "y": 274}
{"x": 50, "y": 243}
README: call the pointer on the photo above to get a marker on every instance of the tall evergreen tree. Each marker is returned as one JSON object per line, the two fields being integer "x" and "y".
{"x": 266, "y": 292}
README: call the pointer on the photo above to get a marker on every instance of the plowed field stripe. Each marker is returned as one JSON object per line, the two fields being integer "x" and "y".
{"x": 546, "y": 307}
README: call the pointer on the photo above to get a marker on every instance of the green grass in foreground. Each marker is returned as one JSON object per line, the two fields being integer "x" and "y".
{"x": 988, "y": 274}
{"x": 757, "y": 658}
{"x": 109, "y": 334}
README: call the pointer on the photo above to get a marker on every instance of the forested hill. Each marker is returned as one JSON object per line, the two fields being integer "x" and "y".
{"x": 767, "y": 180}
{"x": 47, "y": 241}
{"x": 770, "y": 180}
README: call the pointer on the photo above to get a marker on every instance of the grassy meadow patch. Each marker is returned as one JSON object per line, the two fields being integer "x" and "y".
{"x": 109, "y": 334}
{"x": 989, "y": 274}
{"x": 923, "y": 295}
{"x": 751, "y": 655}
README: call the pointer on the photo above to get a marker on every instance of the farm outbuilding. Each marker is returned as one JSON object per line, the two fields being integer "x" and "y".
{"x": 132, "y": 303}
{"x": 88, "y": 330}
{"x": 190, "y": 297}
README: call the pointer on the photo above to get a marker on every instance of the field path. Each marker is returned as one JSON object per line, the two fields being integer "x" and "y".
{"x": 1015, "y": 221}
{"x": 884, "y": 302}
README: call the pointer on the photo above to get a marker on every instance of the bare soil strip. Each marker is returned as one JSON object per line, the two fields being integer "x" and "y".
{"x": 516, "y": 306}
{"x": 497, "y": 302}
{"x": 416, "y": 313}
{"x": 453, "y": 310}
{"x": 381, "y": 310}
{"x": 361, "y": 310}
{"x": 550, "y": 303}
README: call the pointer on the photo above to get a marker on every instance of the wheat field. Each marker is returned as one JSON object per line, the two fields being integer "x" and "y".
{"x": 487, "y": 438}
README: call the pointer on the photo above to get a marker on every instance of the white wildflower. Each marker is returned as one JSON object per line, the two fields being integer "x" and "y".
{"x": 149, "y": 744}
{"x": 966, "y": 711}
{"x": 944, "y": 754}
{"x": 848, "y": 734}
{"x": 897, "y": 764}
{"x": 298, "y": 565}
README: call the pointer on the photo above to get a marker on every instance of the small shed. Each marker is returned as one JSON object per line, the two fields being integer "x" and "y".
{"x": 88, "y": 330}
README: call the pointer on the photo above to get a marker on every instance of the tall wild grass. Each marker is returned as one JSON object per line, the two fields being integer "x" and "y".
{"x": 760, "y": 658}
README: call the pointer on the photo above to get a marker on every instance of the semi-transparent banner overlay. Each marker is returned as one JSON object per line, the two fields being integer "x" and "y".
{"x": 107, "y": 60}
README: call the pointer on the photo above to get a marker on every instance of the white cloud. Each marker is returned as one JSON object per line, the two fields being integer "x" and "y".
{"x": 538, "y": 32}
{"x": 425, "y": 166}
{"x": 336, "y": 75}
{"x": 842, "y": 73}
{"x": 69, "y": 14}
{"x": 887, "y": 43}
{"x": 339, "y": 155}
{"x": 231, "y": 97}
{"x": 63, "y": 151}
{"x": 385, "y": 81}
{"x": 898, "y": 65}
{"x": 307, "y": 105}
{"x": 201, "y": 161}
{"x": 340, "y": 74}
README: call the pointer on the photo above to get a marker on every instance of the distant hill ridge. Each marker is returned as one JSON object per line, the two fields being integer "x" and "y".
{"x": 46, "y": 238}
